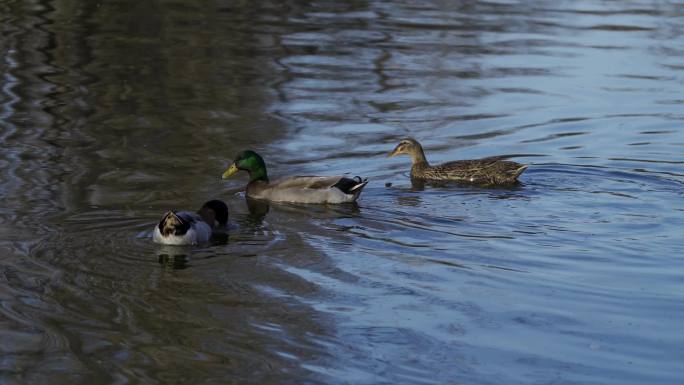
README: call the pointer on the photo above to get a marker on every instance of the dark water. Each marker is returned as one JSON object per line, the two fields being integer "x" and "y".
{"x": 113, "y": 112}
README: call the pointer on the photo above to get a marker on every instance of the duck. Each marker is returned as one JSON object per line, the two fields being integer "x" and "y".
{"x": 294, "y": 189}
{"x": 489, "y": 171}
{"x": 191, "y": 228}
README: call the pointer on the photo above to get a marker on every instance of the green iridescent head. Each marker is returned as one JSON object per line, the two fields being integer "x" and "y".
{"x": 248, "y": 161}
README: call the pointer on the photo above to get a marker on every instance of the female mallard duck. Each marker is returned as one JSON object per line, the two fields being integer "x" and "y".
{"x": 486, "y": 171}
{"x": 188, "y": 228}
{"x": 296, "y": 189}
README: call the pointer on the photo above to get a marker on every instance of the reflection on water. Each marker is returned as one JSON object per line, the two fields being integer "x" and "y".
{"x": 257, "y": 210}
{"x": 177, "y": 260}
{"x": 113, "y": 112}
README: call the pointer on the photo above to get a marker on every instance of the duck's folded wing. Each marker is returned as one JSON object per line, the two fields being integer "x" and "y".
{"x": 312, "y": 189}
{"x": 493, "y": 169}
{"x": 189, "y": 216}
{"x": 307, "y": 182}
{"x": 474, "y": 166}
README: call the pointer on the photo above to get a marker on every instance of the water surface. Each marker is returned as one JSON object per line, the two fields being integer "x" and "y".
{"x": 113, "y": 112}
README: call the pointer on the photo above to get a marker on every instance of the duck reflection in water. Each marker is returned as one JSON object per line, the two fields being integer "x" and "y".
{"x": 421, "y": 184}
{"x": 179, "y": 257}
{"x": 174, "y": 257}
{"x": 257, "y": 211}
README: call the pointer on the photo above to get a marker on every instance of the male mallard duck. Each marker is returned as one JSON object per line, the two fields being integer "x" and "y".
{"x": 486, "y": 171}
{"x": 188, "y": 228}
{"x": 296, "y": 189}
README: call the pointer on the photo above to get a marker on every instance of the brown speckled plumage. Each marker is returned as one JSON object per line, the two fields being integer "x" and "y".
{"x": 486, "y": 171}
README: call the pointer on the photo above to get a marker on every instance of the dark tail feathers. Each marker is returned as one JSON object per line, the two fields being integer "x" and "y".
{"x": 351, "y": 185}
{"x": 173, "y": 224}
{"x": 516, "y": 173}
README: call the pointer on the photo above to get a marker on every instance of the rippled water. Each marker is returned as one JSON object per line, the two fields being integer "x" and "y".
{"x": 113, "y": 112}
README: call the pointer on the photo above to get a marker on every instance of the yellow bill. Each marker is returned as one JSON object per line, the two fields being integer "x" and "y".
{"x": 231, "y": 170}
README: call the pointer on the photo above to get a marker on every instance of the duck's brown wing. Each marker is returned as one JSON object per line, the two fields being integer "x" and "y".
{"x": 492, "y": 170}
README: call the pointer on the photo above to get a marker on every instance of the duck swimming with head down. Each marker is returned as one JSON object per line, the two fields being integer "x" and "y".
{"x": 490, "y": 171}
{"x": 295, "y": 189}
{"x": 191, "y": 228}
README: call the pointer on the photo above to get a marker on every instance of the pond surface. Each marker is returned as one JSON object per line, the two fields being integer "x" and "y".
{"x": 113, "y": 112}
